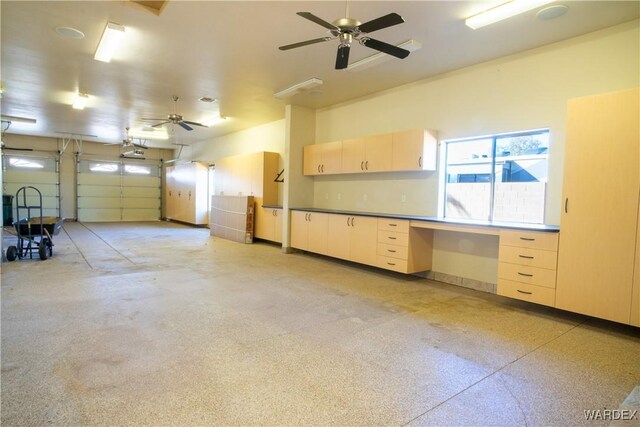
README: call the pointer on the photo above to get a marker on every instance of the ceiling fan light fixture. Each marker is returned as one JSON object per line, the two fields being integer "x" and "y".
{"x": 502, "y": 12}
{"x": 298, "y": 87}
{"x": 111, "y": 38}
{"x": 80, "y": 102}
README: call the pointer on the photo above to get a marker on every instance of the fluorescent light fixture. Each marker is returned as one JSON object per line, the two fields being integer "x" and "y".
{"x": 214, "y": 121}
{"x": 149, "y": 133}
{"x": 81, "y": 101}
{"x": 297, "y": 88}
{"x": 15, "y": 119}
{"x": 113, "y": 34}
{"x": 504, "y": 11}
{"x": 376, "y": 58}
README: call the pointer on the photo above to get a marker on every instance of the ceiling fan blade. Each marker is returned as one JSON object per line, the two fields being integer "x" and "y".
{"x": 161, "y": 123}
{"x": 342, "y": 58}
{"x": 305, "y": 43}
{"x": 387, "y": 48}
{"x": 194, "y": 123}
{"x": 185, "y": 126}
{"x": 311, "y": 17}
{"x": 380, "y": 23}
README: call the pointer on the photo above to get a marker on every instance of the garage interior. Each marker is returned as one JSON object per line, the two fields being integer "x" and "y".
{"x": 147, "y": 312}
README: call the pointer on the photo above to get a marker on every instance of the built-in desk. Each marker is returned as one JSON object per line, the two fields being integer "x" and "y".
{"x": 404, "y": 243}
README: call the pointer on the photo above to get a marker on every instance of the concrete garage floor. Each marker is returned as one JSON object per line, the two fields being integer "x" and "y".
{"x": 161, "y": 324}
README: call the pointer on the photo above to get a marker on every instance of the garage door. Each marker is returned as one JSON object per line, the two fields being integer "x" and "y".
{"x": 40, "y": 172}
{"x": 122, "y": 190}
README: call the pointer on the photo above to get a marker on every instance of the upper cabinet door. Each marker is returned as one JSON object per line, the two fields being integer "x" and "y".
{"x": 312, "y": 159}
{"x": 332, "y": 157}
{"x": 353, "y": 155}
{"x": 600, "y": 206}
{"x": 378, "y": 152}
{"x": 414, "y": 150}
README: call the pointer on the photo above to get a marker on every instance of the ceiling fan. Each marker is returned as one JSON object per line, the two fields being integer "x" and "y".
{"x": 346, "y": 30}
{"x": 128, "y": 142}
{"x": 175, "y": 118}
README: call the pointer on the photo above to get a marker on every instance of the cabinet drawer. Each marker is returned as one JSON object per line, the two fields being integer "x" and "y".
{"x": 529, "y": 239}
{"x": 393, "y": 251}
{"x": 393, "y": 264}
{"x": 399, "y": 225}
{"x": 527, "y": 256}
{"x": 526, "y": 274}
{"x": 393, "y": 238}
{"x": 531, "y": 293}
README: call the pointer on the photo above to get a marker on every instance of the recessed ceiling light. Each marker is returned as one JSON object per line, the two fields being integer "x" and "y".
{"x": 69, "y": 33}
{"x": 81, "y": 101}
{"x": 552, "y": 12}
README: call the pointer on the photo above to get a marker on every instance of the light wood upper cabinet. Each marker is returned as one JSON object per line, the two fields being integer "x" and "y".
{"x": 320, "y": 159}
{"x": 599, "y": 220}
{"x": 414, "y": 150}
{"x": 249, "y": 175}
{"x": 370, "y": 154}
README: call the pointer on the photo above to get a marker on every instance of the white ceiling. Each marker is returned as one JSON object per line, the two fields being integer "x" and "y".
{"x": 229, "y": 50}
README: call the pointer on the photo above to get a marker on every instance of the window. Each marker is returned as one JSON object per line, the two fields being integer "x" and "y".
{"x": 104, "y": 167}
{"x": 500, "y": 177}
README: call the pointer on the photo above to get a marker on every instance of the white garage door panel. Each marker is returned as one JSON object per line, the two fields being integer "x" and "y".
{"x": 98, "y": 191}
{"x": 100, "y": 215}
{"x": 118, "y": 191}
{"x": 40, "y": 172}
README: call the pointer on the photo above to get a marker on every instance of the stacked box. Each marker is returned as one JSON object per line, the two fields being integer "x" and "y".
{"x": 232, "y": 218}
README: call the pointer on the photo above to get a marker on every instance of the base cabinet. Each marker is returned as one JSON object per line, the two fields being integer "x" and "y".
{"x": 527, "y": 266}
{"x": 309, "y": 231}
{"x": 268, "y": 224}
{"x": 352, "y": 238}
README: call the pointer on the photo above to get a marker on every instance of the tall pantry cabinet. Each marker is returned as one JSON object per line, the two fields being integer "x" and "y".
{"x": 186, "y": 193}
{"x": 599, "y": 223}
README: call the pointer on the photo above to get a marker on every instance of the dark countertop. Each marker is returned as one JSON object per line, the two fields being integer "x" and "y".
{"x": 492, "y": 224}
{"x": 272, "y": 206}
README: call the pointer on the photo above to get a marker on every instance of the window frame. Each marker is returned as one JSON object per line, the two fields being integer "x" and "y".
{"x": 492, "y": 179}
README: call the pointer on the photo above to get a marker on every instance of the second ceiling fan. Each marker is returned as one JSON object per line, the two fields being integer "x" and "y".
{"x": 175, "y": 118}
{"x": 346, "y": 30}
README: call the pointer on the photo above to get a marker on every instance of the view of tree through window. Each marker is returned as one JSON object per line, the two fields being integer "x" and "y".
{"x": 501, "y": 177}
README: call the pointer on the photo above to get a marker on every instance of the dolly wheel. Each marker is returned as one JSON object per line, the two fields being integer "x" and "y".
{"x": 42, "y": 250}
{"x": 12, "y": 253}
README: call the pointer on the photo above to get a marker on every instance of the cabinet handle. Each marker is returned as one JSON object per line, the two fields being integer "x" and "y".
{"x": 309, "y": 216}
{"x": 525, "y": 256}
{"x": 348, "y": 221}
{"x": 391, "y": 263}
{"x": 566, "y": 205}
{"x": 393, "y": 225}
{"x": 366, "y": 165}
{"x": 362, "y": 165}
{"x": 420, "y": 161}
{"x": 525, "y": 274}
{"x": 391, "y": 238}
{"x": 318, "y": 168}
{"x": 353, "y": 222}
{"x": 524, "y": 292}
{"x": 391, "y": 250}
{"x": 322, "y": 168}
{"x": 528, "y": 239}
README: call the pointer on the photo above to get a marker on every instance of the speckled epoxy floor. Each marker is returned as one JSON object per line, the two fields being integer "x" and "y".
{"x": 160, "y": 324}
